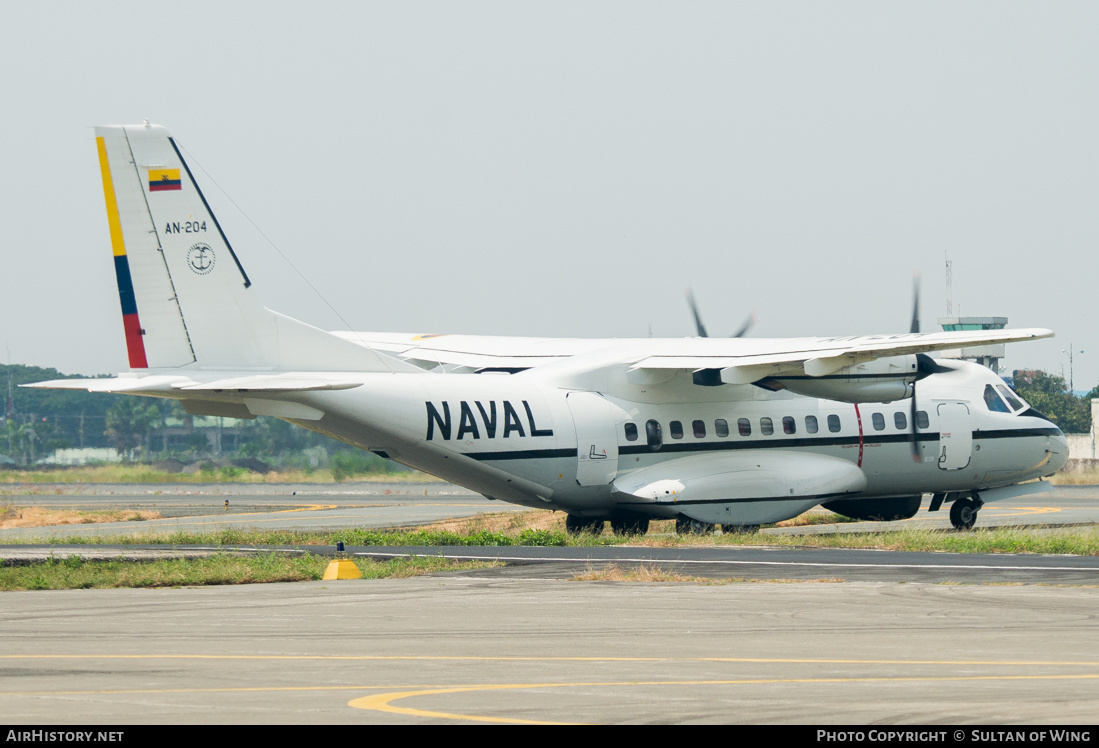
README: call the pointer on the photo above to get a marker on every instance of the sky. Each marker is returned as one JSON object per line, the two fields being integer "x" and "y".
{"x": 572, "y": 168}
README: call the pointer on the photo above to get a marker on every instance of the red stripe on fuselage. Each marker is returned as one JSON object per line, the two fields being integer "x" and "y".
{"x": 858, "y": 419}
{"x": 135, "y": 346}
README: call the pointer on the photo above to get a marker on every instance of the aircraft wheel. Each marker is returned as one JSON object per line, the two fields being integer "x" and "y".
{"x": 740, "y": 529}
{"x": 963, "y": 514}
{"x": 688, "y": 526}
{"x": 575, "y": 525}
{"x": 632, "y": 526}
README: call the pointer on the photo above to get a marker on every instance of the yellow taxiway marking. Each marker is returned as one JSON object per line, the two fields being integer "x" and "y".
{"x": 1022, "y": 511}
{"x": 382, "y": 702}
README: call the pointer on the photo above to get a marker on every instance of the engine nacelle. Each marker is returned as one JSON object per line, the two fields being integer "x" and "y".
{"x": 880, "y": 510}
{"x": 882, "y": 380}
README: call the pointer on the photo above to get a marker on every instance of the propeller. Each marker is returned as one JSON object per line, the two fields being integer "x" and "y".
{"x": 698, "y": 318}
{"x": 925, "y": 366}
{"x": 915, "y": 303}
{"x": 701, "y": 328}
{"x": 747, "y": 325}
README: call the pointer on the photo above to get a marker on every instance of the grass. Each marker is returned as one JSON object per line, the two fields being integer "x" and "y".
{"x": 654, "y": 573}
{"x": 137, "y": 473}
{"x": 12, "y": 516}
{"x": 544, "y": 528}
{"x": 1076, "y": 478}
{"x": 74, "y": 572}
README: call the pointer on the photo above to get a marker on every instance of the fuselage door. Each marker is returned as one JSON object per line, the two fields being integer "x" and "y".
{"x": 596, "y": 438}
{"x": 955, "y": 436}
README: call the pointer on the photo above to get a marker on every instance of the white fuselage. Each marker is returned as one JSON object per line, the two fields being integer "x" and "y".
{"x": 523, "y": 439}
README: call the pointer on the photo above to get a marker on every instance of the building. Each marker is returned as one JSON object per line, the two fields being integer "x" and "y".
{"x": 985, "y": 355}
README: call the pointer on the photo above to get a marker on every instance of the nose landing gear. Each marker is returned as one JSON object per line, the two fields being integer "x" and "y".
{"x": 963, "y": 512}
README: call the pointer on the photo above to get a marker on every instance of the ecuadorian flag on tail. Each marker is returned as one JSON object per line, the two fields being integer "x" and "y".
{"x": 162, "y": 180}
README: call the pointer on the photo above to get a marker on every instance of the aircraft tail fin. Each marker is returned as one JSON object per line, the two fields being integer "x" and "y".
{"x": 186, "y": 299}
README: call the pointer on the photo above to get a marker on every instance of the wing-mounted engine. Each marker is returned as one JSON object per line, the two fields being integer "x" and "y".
{"x": 749, "y": 487}
{"x": 881, "y": 380}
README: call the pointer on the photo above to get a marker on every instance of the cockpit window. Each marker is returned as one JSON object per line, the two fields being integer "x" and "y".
{"x": 1012, "y": 399}
{"x": 993, "y": 401}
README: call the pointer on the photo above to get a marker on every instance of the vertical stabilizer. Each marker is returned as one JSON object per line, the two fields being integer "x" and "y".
{"x": 185, "y": 296}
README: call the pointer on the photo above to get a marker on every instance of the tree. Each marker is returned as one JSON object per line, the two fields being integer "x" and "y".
{"x": 130, "y": 422}
{"x": 1049, "y": 395}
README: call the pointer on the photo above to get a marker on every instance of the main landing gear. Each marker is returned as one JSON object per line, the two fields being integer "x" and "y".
{"x": 963, "y": 512}
{"x": 688, "y": 526}
{"x": 574, "y": 525}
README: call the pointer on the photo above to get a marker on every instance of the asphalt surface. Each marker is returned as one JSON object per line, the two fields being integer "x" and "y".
{"x": 455, "y": 649}
{"x": 800, "y": 636}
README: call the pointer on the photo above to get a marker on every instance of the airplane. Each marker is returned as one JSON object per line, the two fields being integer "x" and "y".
{"x": 729, "y": 432}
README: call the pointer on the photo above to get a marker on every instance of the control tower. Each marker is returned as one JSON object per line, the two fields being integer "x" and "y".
{"x": 986, "y": 355}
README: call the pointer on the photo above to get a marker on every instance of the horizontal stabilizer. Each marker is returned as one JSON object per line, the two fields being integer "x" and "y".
{"x": 179, "y": 386}
{"x": 133, "y": 385}
{"x": 272, "y": 383}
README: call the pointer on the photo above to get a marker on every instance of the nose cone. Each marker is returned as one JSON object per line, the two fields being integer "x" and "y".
{"x": 1058, "y": 449}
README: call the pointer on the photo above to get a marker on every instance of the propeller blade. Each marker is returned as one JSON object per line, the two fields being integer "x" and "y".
{"x": 915, "y": 304}
{"x": 698, "y": 318}
{"x": 916, "y": 456}
{"x": 745, "y": 327}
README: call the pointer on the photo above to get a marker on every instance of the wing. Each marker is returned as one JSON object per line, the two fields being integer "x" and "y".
{"x": 746, "y": 361}
{"x": 739, "y": 360}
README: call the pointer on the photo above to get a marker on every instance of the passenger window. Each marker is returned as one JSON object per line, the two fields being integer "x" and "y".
{"x": 833, "y": 423}
{"x": 788, "y": 425}
{"x": 766, "y": 427}
{"x": 900, "y": 420}
{"x": 1012, "y": 400}
{"x": 721, "y": 427}
{"x": 631, "y": 432}
{"x": 921, "y": 419}
{"x": 993, "y": 401}
{"x": 745, "y": 426}
{"x": 654, "y": 434}
{"x": 676, "y": 429}
{"x": 699, "y": 429}
{"x": 879, "y": 421}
